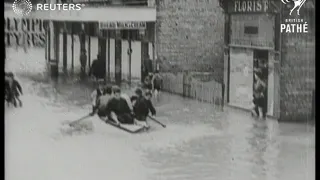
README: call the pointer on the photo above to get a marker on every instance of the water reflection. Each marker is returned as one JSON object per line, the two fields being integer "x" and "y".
{"x": 240, "y": 148}
{"x": 247, "y": 149}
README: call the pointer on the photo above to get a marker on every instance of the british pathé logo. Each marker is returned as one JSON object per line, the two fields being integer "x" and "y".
{"x": 297, "y": 4}
{"x": 294, "y": 25}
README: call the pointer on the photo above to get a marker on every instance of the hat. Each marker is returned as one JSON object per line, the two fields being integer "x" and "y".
{"x": 148, "y": 93}
{"x": 116, "y": 89}
{"x": 138, "y": 92}
{"x": 133, "y": 98}
{"x": 108, "y": 89}
{"x": 10, "y": 74}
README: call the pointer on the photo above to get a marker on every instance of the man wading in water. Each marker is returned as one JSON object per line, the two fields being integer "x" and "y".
{"x": 259, "y": 97}
{"x": 83, "y": 62}
{"x": 13, "y": 90}
{"x": 156, "y": 84}
{"x": 97, "y": 68}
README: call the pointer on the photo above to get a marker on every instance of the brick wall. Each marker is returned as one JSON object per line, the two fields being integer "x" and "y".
{"x": 190, "y": 34}
{"x": 298, "y": 73}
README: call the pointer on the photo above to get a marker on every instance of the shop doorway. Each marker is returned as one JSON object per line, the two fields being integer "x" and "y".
{"x": 260, "y": 67}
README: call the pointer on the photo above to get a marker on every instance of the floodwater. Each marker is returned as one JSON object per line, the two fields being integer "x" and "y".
{"x": 200, "y": 142}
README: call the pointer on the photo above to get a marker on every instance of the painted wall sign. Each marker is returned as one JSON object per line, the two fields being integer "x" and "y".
{"x": 249, "y": 6}
{"x": 20, "y": 31}
{"x": 122, "y": 25}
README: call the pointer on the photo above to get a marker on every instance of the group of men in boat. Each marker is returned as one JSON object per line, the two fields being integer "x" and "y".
{"x": 109, "y": 103}
{"x": 12, "y": 90}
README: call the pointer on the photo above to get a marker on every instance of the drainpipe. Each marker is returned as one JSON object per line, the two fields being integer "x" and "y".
{"x": 129, "y": 53}
{"x": 153, "y": 48}
{"x": 108, "y": 44}
{"x": 279, "y": 65}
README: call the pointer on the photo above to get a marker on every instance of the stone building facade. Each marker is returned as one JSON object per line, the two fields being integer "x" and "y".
{"x": 189, "y": 34}
{"x": 297, "y": 77}
{"x": 264, "y": 30}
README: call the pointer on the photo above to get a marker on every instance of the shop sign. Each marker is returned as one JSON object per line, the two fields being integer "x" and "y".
{"x": 21, "y": 32}
{"x": 122, "y": 25}
{"x": 248, "y": 6}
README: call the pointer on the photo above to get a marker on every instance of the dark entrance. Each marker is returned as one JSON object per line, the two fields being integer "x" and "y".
{"x": 102, "y": 45}
{"x": 260, "y": 66}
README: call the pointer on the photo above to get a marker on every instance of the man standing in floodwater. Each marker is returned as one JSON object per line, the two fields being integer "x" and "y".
{"x": 83, "y": 61}
{"x": 97, "y": 68}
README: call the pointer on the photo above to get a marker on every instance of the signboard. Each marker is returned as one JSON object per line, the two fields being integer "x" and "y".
{"x": 122, "y": 25}
{"x": 255, "y": 30}
{"x": 21, "y": 32}
{"x": 249, "y": 6}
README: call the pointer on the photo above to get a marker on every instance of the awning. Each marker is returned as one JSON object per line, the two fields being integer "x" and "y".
{"x": 95, "y": 14}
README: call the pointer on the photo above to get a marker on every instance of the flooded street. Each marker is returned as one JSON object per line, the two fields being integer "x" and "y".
{"x": 200, "y": 142}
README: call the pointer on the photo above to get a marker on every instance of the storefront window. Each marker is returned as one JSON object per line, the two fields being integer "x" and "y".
{"x": 251, "y": 30}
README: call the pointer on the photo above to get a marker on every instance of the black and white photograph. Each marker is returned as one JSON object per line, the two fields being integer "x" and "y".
{"x": 159, "y": 89}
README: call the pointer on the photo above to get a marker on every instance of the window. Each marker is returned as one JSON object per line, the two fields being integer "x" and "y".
{"x": 251, "y": 30}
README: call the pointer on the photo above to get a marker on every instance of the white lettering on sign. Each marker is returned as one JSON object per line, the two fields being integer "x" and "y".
{"x": 251, "y": 6}
{"x": 294, "y": 28}
{"x": 122, "y": 25}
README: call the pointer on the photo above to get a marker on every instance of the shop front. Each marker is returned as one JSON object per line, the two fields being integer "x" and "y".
{"x": 251, "y": 51}
{"x": 123, "y": 42}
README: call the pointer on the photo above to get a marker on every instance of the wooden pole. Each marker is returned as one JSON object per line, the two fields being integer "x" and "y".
{"x": 72, "y": 48}
{"x": 130, "y": 52}
{"x": 108, "y": 42}
{"x": 89, "y": 51}
{"x": 65, "y": 48}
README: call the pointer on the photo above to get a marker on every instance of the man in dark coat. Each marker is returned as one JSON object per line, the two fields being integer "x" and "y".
{"x": 118, "y": 110}
{"x": 142, "y": 106}
{"x": 13, "y": 90}
{"x": 259, "y": 96}
{"x": 98, "y": 68}
{"x": 83, "y": 61}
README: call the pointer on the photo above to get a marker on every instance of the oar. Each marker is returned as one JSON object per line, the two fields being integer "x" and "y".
{"x": 78, "y": 120}
{"x": 163, "y": 125}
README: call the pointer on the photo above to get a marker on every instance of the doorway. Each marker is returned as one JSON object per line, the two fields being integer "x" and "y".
{"x": 260, "y": 67}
